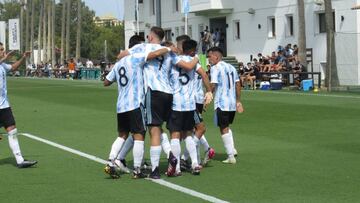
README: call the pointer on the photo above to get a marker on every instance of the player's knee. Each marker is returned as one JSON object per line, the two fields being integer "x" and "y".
{"x": 12, "y": 132}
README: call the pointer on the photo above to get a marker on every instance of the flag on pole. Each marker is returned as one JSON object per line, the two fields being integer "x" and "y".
{"x": 2, "y": 33}
{"x": 185, "y": 6}
{"x": 14, "y": 34}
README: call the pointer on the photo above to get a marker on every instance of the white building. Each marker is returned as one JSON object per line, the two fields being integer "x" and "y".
{"x": 258, "y": 26}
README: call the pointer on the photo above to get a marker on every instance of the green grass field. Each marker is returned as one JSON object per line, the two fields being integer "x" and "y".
{"x": 293, "y": 147}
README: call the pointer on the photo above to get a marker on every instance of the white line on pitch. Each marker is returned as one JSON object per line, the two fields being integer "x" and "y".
{"x": 99, "y": 160}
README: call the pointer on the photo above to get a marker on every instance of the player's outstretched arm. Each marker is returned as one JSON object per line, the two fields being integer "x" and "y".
{"x": 123, "y": 54}
{"x": 6, "y": 56}
{"x": 160, "y": 52}
{"x": 188, "y": 65}
{"x": 107, "y": 83}
{"x": 16, "y": 65}
{"x": 239, "y": 106}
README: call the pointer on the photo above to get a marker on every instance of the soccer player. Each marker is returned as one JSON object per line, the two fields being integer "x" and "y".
{"x": 183, "y": 107}
{"x": 158, "y": 94}
{"x": 200, "y": 129}
{"x": 6, "y": 116}
{"x": 225, "y": 82}
{"x": 128, "y": 73}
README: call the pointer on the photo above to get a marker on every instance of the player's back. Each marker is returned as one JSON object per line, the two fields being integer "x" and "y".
{"x": 4, "y": 68}
{"x": 128, "y": 73}
{"x": 183, "y": 83}
{"x": 225, "y": 75}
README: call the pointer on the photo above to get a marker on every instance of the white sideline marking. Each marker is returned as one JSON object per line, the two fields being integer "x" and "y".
{"x": 306, "y": 94}
{"x": 99, "y": 160}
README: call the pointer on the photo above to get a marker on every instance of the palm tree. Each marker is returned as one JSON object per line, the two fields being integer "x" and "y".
{"x": 78, "y": 32}
{"x": 32, "y": 31}
{"x": 332, "y": 79}
{"x": 302, "y": 34}
{"x": 39, "y": 31}
{"x": 53, "y": 56}
{"x": 67, "y": 53}
{"x": 22, "y": 10}
{"x": 63, "y": 31}
{"x": 49, "y": 31}
{"x": 45, "y": 57}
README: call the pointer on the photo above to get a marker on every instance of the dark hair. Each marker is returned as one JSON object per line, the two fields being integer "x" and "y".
{"x": 159, "y": 32}
{"x": 135, "y": 39}
{"x": 189, "y": 45}
{"x": 1, "y": 44}
{"x": 182, "y": 38}
{"x": 215, "y": 49}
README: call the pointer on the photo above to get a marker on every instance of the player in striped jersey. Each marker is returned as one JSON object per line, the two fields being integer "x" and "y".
{"x": 158, "y": 94}
{"x": 128, "y": 73}
{"x": 225, "y": 82}
{"x": 6, "y": 116}
{"x": 199, "y": 137}
{"x": 183, "y": 107}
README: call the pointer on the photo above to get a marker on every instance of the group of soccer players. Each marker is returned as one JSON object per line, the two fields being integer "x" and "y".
{"x": 160, "y": 82}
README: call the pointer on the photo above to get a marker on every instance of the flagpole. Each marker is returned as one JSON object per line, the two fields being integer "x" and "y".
{"x": 137, "y": 16}
{"x": 186, "y": 23}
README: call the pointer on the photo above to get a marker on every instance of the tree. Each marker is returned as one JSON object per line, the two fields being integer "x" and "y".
{"x": 62, "y": 54}
{"x": 39, "y": 31}
{"x": 67, "y": 52}
{"x": 53, "y": 54}
{"x": 78, "y": 33}
{"x": 332, "y": 79}
{"x": 44, "y": 32}
{"x": 49, "y": 31}
{"x": 32, "y": 27}
{"x": 302, "y": 34}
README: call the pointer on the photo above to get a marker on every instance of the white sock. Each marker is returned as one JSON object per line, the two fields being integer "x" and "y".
{"x": 165, "y": 144}
{"x": 115, "y": 148}
{"x": 129, "y": 143}
{"x": 191, "y": 147}
{"x": 228, "y": 145}
{"x": 197, "y": 144}
{"x": 14, "y": 146}
{"x": 185, "y": 156}
{"x": 155, "y": 152}
{"x": 232, "y": 139}
{"x": 204, "y": 143}
{"x": 176, "y": 150}
{"x": 138, "y": 153}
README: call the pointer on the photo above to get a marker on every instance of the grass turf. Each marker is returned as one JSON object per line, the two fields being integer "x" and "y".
{"x": 292, "y": 148}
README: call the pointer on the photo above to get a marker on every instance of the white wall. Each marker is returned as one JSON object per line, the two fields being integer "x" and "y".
{"x": 253, "y": 40}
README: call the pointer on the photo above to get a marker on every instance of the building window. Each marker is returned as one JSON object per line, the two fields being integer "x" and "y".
{"x": 167, "y": 35}
{"x": 177, "y": 33}
{"x": 271, "y": 27}
{"x": 289, "y": 25}
{"x": 176, "y": 5}
{"x": 182, "y": 30}
{"x": 236, "y": 29}
{"x": 142, "y": 34}
{"x": 322, "y": 22}
{"x": 189, "y": 31}
{"x": 152, "y": 7}
{"x": 141, "y": 1}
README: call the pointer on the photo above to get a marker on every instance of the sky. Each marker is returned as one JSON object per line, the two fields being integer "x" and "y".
{"x": 105, "y": 7}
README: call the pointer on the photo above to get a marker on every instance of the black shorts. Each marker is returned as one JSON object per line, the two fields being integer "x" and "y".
{"x": 132, "y": 121}
{"x": 199, "y": 108}
{"x": 197, "y": 117}
{"x": 6, "y": 118}
{"x": 181, "y": 121}
{"x": 158, "y": 107}
{"x": 224, "y": 118}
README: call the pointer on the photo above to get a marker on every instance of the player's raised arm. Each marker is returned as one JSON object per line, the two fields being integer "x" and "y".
{"x": 188, "y": 65}
{"x": 6, "y": 56}
{"x": 16, "y": 65}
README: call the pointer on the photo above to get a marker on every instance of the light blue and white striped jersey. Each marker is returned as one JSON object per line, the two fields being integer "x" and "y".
{"x": 128, "y": 73}
{"x": 157, "y": 71}
{"x": 183, "y": 84}
{"x": 224, "y": 76}
{"x": 4, "y": 102}
{"x": 199, "y": 89}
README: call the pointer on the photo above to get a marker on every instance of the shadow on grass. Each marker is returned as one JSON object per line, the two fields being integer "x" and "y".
{"x": 8, "y": 161}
